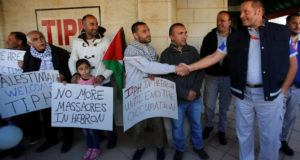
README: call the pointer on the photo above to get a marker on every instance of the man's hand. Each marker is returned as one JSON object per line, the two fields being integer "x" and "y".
{"x": 182, "y": 69}
{"x": 98, "y": 80}
{"x": 20, "y": 63}
{"x": 75, "y": 78}
{"x": 60, "y": 78}
{"x": 284, "y": 90}
{"x": 192, "y": 95}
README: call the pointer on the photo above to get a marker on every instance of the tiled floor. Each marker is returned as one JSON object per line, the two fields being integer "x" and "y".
{"x": 125, "y": 147}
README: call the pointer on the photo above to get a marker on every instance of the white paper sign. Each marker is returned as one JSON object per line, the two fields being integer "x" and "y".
{"x": 82, "y": 106}
{"x": 9, "y": 61}
{"x": 26, "y": 92}
{"x": 149, "y": 99}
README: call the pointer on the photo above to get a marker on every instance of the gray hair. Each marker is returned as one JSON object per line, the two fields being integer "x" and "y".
{"x": 31, "y": 32}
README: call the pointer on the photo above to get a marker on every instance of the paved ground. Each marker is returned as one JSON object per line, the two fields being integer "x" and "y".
{"x": 125, "y": 149}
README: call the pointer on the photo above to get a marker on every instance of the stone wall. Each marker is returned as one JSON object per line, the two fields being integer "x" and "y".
{"x": 199, "y": 16}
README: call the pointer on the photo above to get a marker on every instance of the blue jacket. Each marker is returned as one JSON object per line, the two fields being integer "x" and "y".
{"x": 274, "y": 43}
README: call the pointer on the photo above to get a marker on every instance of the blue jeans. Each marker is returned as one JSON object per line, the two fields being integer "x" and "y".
{"x": 217, "y": 87}
{"x": 291, "y": 111}
{"x": 91, "y": 138}
{"x": 193, "y": 111}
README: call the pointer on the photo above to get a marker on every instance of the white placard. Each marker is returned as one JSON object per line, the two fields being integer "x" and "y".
{"x": 9, "y": 61}
{"x": 147, "y": 99}
{"x": 82, "y": 106}
{"x": 26, "y": 92}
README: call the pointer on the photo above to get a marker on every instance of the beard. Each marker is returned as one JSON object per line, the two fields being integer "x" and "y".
{"x": 294, "y": 33}
{"x": 92, "y": 33}
{"x": 144, "y": 40}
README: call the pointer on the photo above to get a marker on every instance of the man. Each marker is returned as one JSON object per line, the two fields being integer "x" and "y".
{"x": 261, "y": 68}
{"x": 217, "y": 81}
{"x": 293, "y": 95}
{"x": 92, "y": 45}
{"x": 17, "y": 41}
{"x": 187, "y": 89}
{"x": 140, "y": 62}
{"x": 43, "y": 56}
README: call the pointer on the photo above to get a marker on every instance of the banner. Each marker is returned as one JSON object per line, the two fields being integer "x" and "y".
{"x": 62, "y": 25}
{"x": 82, "y": 106}
{"x": 26, "y": 92}
{"x": 149, "y": 99}
{"x": 9, "y": 61}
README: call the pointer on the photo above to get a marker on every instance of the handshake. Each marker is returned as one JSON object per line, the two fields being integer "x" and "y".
{"x": 182, "y": 69}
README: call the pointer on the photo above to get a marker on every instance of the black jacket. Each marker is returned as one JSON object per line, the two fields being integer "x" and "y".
{"x": 209, "y": 46}
{"x": 60, "y": 59}
{"x": 274, "y": 43}
{"x": 193, "y": 81}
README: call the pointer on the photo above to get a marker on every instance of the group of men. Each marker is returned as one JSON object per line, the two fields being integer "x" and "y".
{"x": 257, "y": 64}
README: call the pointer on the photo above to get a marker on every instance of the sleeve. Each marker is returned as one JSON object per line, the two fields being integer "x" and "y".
{"x": 293, "y": 50}
{"x": 64, "y": 69}
{"x": 198, "y": 77}
{"x": 73, "y": 58}
{"x": 203, "y": 49}
{"x": 198, "y": 81}
{"x": 149, "y": 67}
{"x": 222, "y": 48}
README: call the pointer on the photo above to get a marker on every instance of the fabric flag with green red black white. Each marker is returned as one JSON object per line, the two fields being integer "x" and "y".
{"x": 113, "y": 59}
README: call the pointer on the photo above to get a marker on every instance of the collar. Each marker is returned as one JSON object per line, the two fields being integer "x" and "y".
{"x": 173, "y": 47}
{"x": 218, "y": 34}
{"x": 265, "y": 23}
{"x": 138, "y": 44}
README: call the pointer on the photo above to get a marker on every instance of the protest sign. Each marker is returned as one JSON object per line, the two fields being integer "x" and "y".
{"x": 9, "y": 61}
{"x": 149, "y": 99}
{"x": 82, "y": 106}
{"x": 26, "y": 92}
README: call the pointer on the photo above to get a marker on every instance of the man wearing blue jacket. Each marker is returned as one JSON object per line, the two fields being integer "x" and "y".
{"x": 261, "y": 67}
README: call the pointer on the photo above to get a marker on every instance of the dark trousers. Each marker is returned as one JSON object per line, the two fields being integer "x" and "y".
{"x": 51, "y": 133}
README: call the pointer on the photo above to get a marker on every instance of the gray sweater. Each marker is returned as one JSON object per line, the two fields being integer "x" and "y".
{"x": 193, "y": 81}
{"x": 140, "y": 61}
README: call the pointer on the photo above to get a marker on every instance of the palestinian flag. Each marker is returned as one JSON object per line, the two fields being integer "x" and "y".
{"x": 113, "y": 59}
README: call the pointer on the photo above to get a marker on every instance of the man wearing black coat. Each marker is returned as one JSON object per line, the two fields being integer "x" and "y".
{"x": 44, "y": 56}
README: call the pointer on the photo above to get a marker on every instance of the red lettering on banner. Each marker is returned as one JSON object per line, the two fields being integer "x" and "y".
{"x": 70, "y": 32}
{"x": 48, "y": 24}
{"x": 59, "y": 32}
{"x": 71, "y": 28}
{"x": 79, "y": 25}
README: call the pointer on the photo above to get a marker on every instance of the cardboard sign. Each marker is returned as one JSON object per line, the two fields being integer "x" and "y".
{"x": 149, "y": 99}
{"x": 82, "y": 106}
{"x": 9, "y": 61}
{"x": 26, "y": 92}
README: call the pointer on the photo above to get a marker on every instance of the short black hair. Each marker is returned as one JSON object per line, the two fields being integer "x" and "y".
{"x": 225, "y": 12}
{"x": 256, "y": 4}
{"x": 134, "y": 27}
{"x": 82, "y": 61}
{"x": 84, "y": 18}
{"x": 174, "y": 25}
{"x": 20, "y": 36}
{"x": 290, "y": 16}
